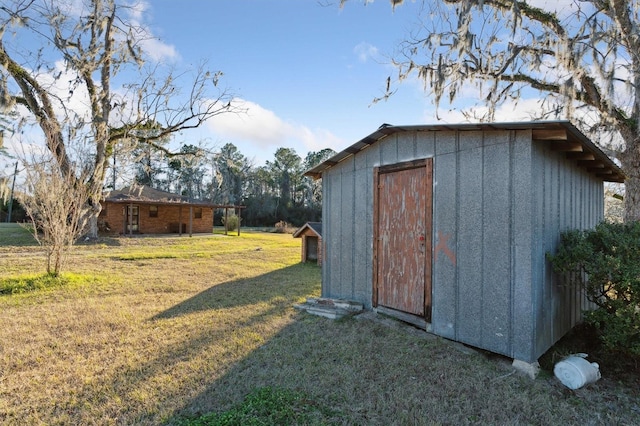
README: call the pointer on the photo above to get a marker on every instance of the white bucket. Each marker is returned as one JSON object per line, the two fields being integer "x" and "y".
{"x": 575, "y": 371}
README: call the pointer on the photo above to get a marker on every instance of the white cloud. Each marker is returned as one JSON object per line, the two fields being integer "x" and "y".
{"x": 137, "y": 10}
{"x": 320, "y": 139}
{"x": 156, "y": 49}
{"x": 524, "y": 110}
{"x": 159, "y": 51}
{"x": 257, "y": 124}
{"x": 261, "y": 130}
{"x": 365, "y": 51}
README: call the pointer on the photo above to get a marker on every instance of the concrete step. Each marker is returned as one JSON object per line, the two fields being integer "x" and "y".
{"x": 330, "y": 308}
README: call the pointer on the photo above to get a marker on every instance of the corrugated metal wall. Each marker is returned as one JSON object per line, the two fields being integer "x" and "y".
{"x": 500, "y": 202}
{"x": 482, "y": 215}
{"x": 566, "y": 197}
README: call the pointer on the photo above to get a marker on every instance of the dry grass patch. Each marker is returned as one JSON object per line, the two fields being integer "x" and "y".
{"x": 133, "y": 349}
{"x": 158, "y": 340}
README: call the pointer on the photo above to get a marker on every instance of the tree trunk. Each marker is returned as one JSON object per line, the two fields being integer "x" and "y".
{"x": 92, "y": 220}
{"x": 631, "y": 166}
{"x": 92, "y": 226}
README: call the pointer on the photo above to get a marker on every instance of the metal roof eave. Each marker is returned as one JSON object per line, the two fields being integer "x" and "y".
{"x": 610, "y": 172}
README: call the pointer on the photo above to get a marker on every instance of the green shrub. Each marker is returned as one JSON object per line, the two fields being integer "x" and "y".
{"x": 231, "y": 222}
{"x": 605, "y": 262}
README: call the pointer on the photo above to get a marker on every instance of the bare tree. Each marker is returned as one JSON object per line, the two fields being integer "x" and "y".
{"x": 56, "y": 202}
{"x": 95, "y": 41}
{"x": 582, "y": 56}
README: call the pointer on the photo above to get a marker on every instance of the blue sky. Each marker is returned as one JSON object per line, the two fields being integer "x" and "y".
{"x": 307, "y": 71}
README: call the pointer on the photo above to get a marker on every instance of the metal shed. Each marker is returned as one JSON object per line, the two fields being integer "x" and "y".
{"x": 447, "y": 226}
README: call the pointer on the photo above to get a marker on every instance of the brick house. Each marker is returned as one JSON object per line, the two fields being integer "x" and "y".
{"x": 311, "y": 234}
{"x": 144, "y": 210}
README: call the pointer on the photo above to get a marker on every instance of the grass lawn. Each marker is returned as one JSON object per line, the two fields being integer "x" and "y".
{"x": 15, "y": 235}
{"x": 202, "y": 331}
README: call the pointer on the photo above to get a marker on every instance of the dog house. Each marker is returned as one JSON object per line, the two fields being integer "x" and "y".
{"x": 311, "y": 234}
{"x": 447, "y": 226}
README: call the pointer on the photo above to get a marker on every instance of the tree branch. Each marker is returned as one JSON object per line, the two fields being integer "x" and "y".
{"x": 36, "y": 99}
{"x": 547, "y": 19}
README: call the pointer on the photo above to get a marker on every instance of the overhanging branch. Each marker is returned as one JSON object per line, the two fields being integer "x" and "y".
{"x": 36, "y": 99}
{"x": 548, "y": 19}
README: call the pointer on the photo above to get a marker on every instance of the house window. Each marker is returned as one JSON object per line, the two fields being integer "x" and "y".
{"x": 197, "y": 213}
{"x": 153, "y": 211}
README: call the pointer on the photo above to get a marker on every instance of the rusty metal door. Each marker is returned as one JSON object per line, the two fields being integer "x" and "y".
{"x": 403, "y": 237}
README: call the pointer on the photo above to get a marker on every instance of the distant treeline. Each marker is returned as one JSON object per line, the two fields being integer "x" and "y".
{"x": 275, "y": 192}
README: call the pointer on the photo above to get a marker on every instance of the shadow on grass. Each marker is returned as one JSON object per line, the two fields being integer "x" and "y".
{"x": 272, "y": 294}
{"x": 301, "y": 358}
{"x": 355, "y": 371}
{"x": 358, "y": 371}
{"x": 279, "y": 284}
{"x": 352, "y": 371}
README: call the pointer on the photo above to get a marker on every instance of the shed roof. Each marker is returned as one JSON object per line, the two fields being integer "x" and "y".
{"x": 142, "y": 194}
{"x": 316, "y": 227}
{"x": 561, "y": 135}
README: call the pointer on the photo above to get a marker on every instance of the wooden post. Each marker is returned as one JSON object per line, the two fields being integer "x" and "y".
{"x": 239, "y": 219}
{"x": 131, "y": 219}
{"x": 124, "y": 220}
{"x": 191, "y": 221}
{"x": 226, "y": 219}
{"x": 13, "y": 185}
